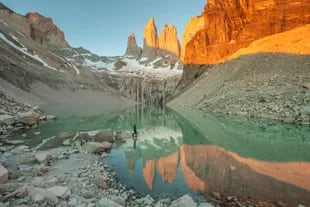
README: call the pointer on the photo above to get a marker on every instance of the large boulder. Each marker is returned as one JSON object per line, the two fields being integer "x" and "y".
{"x": 97, "y": 147}
{"x": 7, "y": 120}
{"x": 105, "y": 202}
{"x": 98, "y": 136}
{"x": 43, "y": 156}
{"x": 184, "y": 201}
{"x": 36, "y": 194}
{"x": 4, "y": 175}
{"x": 40, "y": 194}
{"x": 306, "y": 85}
{"x": 60, "y": 191}
{"x": 29, "y": 118}
{"x": 65, "y": 135}
{"x": 104, "y": 136}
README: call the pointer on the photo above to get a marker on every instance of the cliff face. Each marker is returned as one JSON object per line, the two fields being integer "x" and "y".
{"x": 144, "y": 90}
{"x": 168, "y": 41}
{"x": 226, "y": 26}
{"x": 44, "y": 31}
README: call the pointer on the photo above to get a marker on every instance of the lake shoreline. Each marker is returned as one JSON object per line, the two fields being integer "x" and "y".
{"x": 82, "y": 179}
{"x": 34, "y": 175}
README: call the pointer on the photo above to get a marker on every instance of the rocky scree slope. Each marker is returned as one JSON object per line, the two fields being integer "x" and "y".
{"x": 264, "y": 85}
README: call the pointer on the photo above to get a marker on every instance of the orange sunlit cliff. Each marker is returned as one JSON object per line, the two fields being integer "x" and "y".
{"x": 295, "y": 41}
{"x": 226, "y": 26}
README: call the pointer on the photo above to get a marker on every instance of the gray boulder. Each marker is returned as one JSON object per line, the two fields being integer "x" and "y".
{"x": 306, "y": 85}
{"x": 65, "y": 135}
{"x": 43, "y": 156}
{"x": 60, "y": 191}
{"x": 105, "y": 202}
{"x": 4, "y": 175}
{"x": 7, "y": 120}
{"x": 97, "y": 147}
{"x": 98, "y": 136}
{"x": 29, "y": 118}
{"x": 39, "y": 194}
{"x": 184, "y": 201}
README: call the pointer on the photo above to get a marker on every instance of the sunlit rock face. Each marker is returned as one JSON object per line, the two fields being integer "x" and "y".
{"x": 150, "y": 40}
{"x": 231, "y": 25}
{"x": 149, "y": 172}
{"x": 167, "y": 167}
{"x": 168, "y": 41}
{"x": 295, "y": 41}
{"x": 192, "y": 28}
{"x": 132, "y": 47}
{"x": 45, "y": 32}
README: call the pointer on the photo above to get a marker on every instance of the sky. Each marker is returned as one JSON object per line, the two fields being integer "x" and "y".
{"x": 103, "y": 26}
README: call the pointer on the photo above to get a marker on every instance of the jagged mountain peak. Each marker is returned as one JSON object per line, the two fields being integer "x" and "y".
{"x": 132, "y": 47}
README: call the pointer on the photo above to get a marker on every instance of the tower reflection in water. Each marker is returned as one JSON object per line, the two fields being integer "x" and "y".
{"x": 216, "y": 154}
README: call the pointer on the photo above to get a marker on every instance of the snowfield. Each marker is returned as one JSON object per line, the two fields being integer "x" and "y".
{"x": 99, "y": 64}
{"x": 134, "y": 67}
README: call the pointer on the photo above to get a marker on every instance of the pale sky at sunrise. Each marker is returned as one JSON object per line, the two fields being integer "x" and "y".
{"x": 102, "y": 26}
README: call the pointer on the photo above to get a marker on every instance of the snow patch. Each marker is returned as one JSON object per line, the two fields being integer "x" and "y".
{"x": 134, "y": 67}
{"x": 76, "y": 69}
{"x": 99, "y": 64}
{"x": 24, "y": 51}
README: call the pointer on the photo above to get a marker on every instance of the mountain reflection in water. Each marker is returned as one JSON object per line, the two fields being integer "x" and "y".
{"x": 189, "y": 152}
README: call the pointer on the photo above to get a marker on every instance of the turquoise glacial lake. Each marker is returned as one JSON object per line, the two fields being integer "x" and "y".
{"x": 188, "y": 151}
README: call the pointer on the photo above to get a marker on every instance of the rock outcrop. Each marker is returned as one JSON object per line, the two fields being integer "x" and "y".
{"x": 144, "y": 90}
{"x": 168, "y": 42}
{"x": 150, "y": 40}
{"x": 44, "y": 31}
{"x": 132, "y": 47}
{"x": 295, "y": 41}
{"x": 226, "y": 26}
{"x": 194, "y": 26}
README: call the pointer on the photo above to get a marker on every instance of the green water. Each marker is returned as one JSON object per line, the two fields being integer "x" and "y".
{"x": 187, "y": 151}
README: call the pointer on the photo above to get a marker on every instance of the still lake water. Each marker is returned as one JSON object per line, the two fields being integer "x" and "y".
{"x": 198, "y": 153}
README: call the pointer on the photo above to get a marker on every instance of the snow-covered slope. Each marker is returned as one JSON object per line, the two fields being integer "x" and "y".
{"x": 24, "y": 51}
